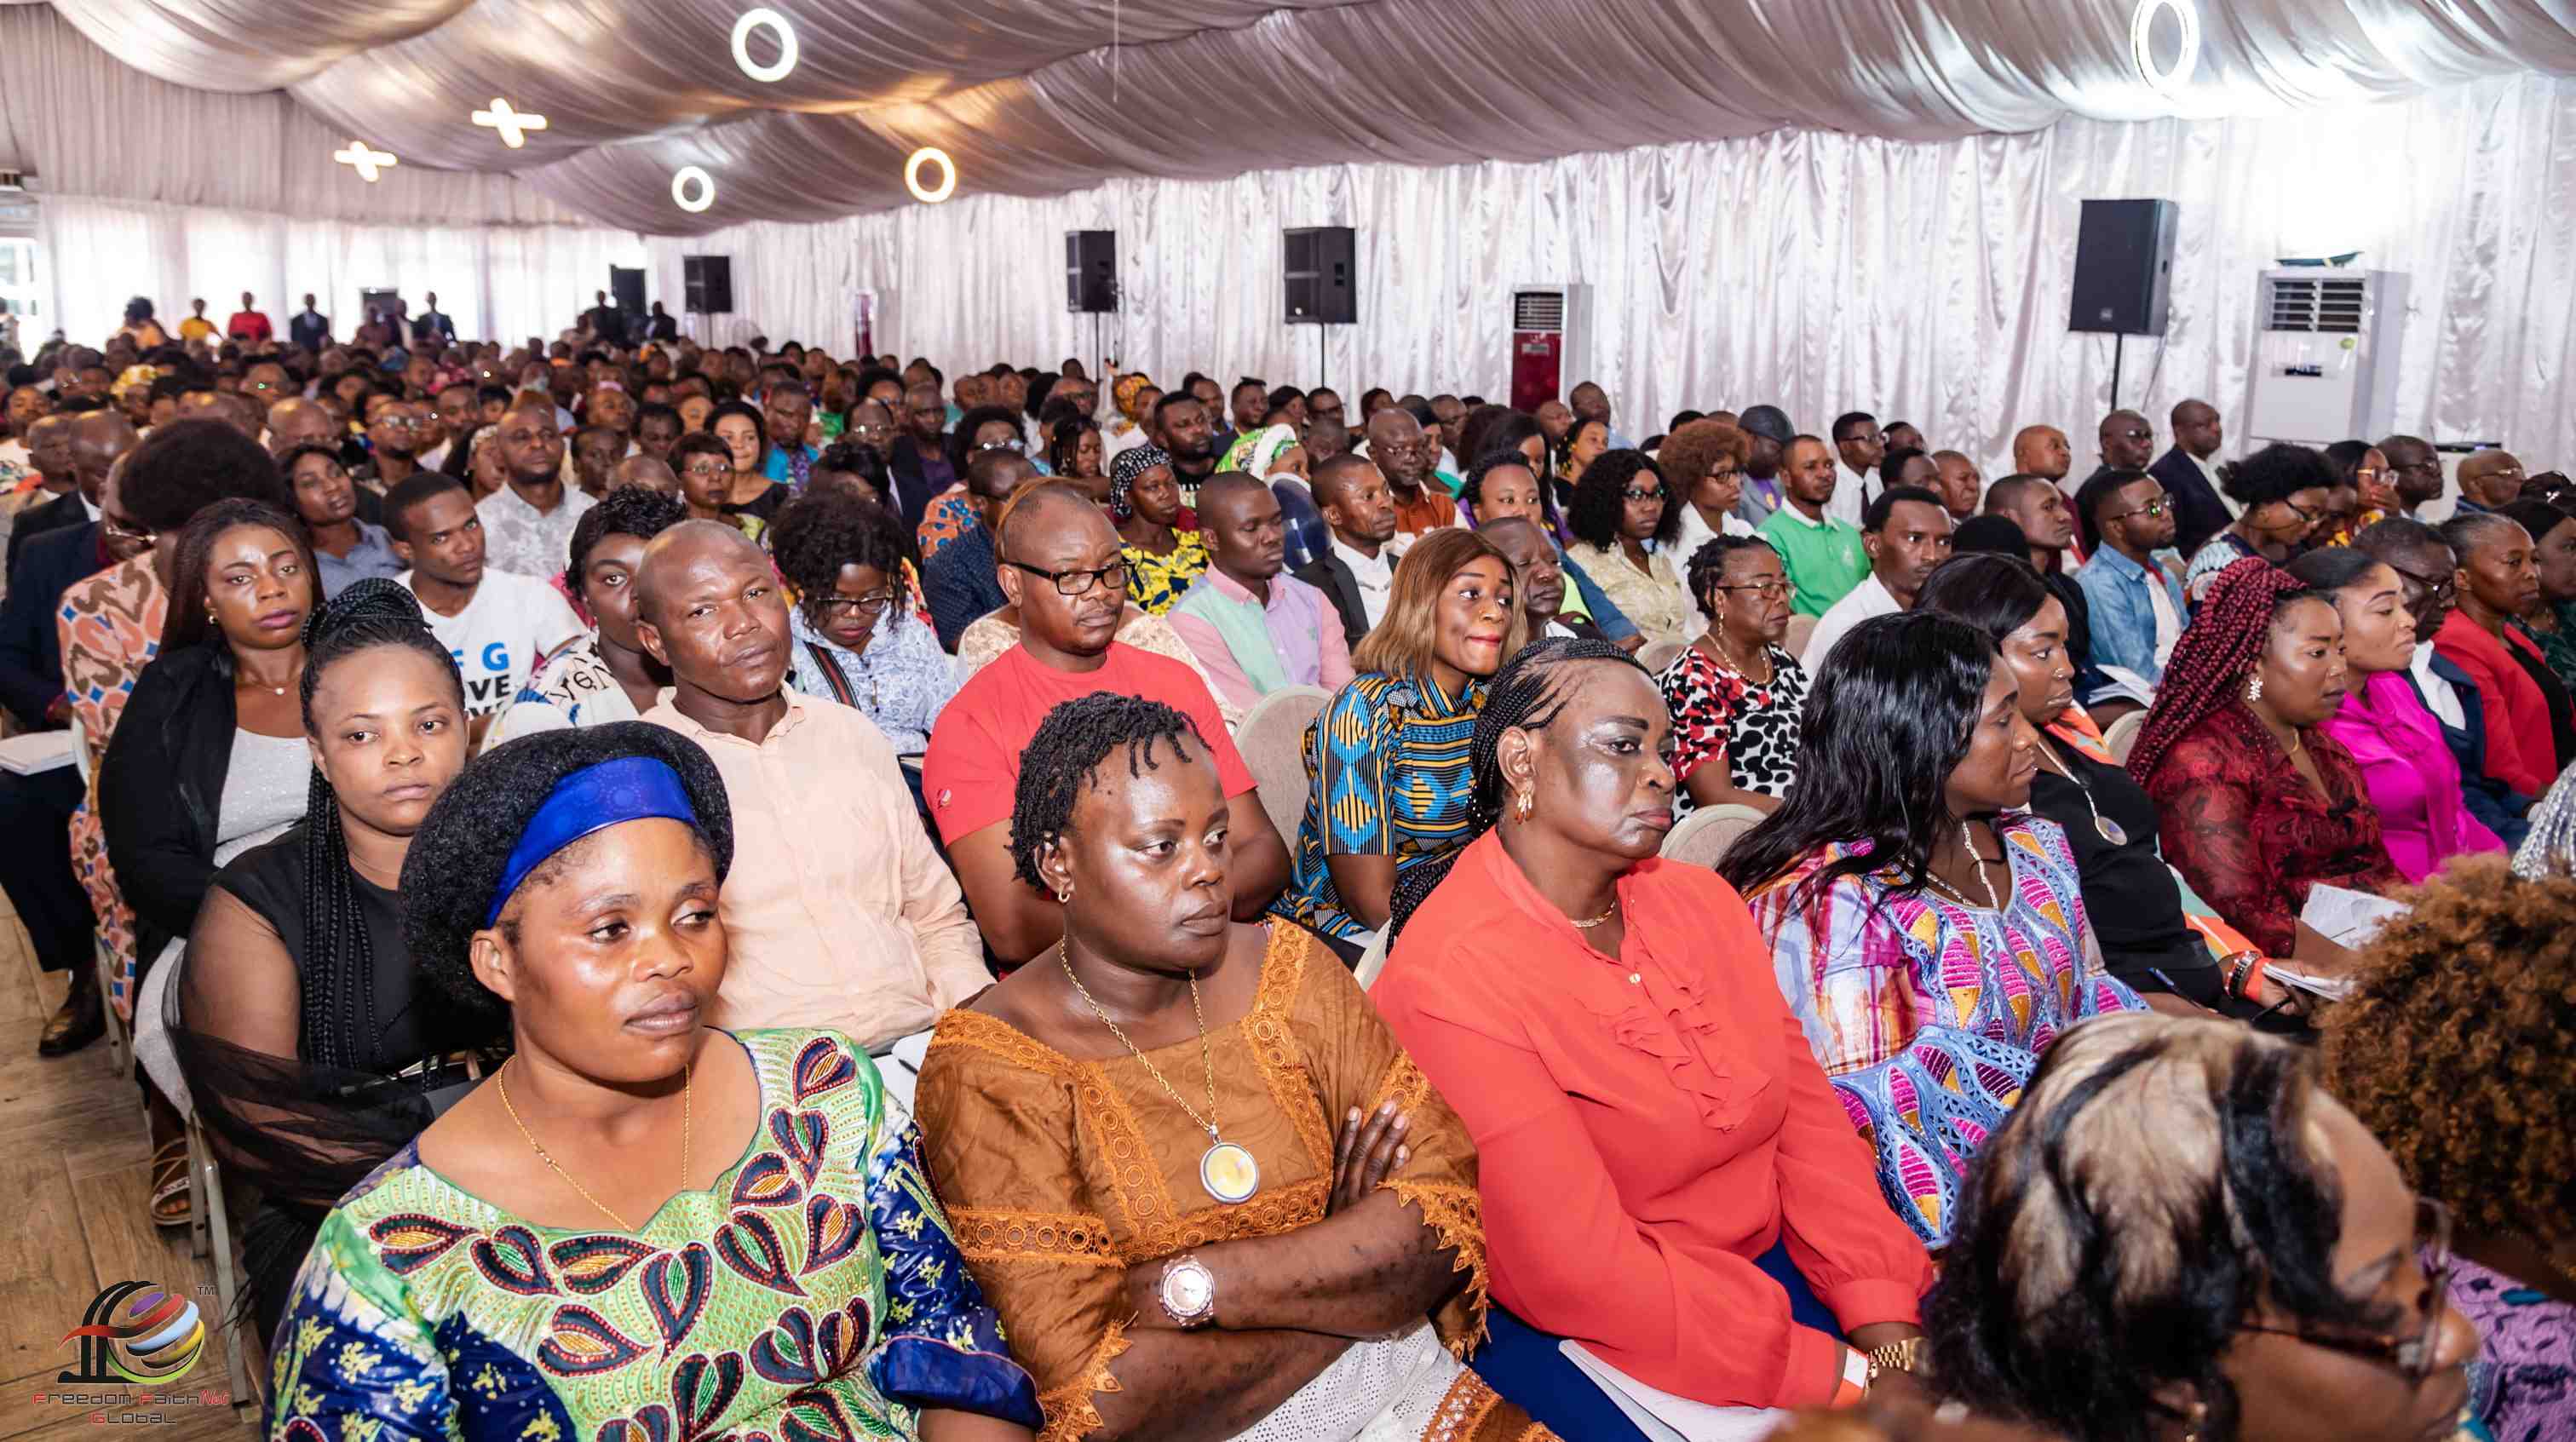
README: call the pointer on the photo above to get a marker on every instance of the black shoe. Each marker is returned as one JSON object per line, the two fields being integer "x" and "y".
{"x": 82, "y": 1019}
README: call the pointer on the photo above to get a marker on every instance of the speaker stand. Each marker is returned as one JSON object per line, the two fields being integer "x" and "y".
{"x": 1322, "y": 346}
{"x": 2117, "y": 338}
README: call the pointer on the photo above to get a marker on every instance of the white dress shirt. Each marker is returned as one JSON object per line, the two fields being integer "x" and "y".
{"x": 1863, "y": 601}
{"x": 1376, "y": 576}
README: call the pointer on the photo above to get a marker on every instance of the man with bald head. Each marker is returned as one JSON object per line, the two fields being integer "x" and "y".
{"x": 1403, "y": 453}
{"x": 2188, "y": 472}
{"x": 65, "y": 498}
{"x": 838, "y": 911}
{"x": 1065, "y": 574}
{"x": 296, "y": 421}
{"x": 2490, "y": 480}
{"x": 1253, "y": 629}
{"x": 2042, "y": 451}
{"x": 650, "y": 472}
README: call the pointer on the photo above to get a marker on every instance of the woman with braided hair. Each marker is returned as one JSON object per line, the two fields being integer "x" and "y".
{"x": 1665, "y": 1171}
{"x": 1208, "y": 1192}
{"x": 296, "y": 1018}
{"x": 2256, "y": 803}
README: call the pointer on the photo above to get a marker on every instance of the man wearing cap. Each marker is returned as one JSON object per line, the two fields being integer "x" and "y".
{"x": 1771, "y": 433}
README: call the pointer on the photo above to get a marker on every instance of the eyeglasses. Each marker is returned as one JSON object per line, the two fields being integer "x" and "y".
{"x": 2157, "y": 507}
{"x": 1863, "y": 438}
{"x": 1633, "y": 494}
{"x": 2367, "y": 475}
{"x": 2135, "y": 433}
{"x": 2443, "y": 591}
{"x": 2411, "y": 1355}
{"x": 871, "y": 431}
{"x": 872, "y": 604}
{"x": 709, "y": 471}
{"x": 1078, "y": 582}
{"x": 1764, "y": 589}
{"x": 1012, "y": 446}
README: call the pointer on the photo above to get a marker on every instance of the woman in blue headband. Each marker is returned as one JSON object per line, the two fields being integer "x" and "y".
{"x": 559, "y": 1255}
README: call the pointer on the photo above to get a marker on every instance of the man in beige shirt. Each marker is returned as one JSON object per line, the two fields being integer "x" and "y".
{"x": 839, "y": 911}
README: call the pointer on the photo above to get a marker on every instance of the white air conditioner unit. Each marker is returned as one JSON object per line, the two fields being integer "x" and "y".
{"x": 2325, "y": 354}
{"x": 1551, "y": 327}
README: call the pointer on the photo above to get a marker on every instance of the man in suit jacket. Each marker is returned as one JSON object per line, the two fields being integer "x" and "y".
{"x": 2189, "y": 472}
{"x": 920, "y": 461}
{"x": 36, "y": 811}
{"x": 1356, "y": 571}
{"x": 309, "y": 328}
{"x": 49, "y": 448}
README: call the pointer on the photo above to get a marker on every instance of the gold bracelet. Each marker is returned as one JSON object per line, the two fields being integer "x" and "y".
{"x": 1906, "y": 1356}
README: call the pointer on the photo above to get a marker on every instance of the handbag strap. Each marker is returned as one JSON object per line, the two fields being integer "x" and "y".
{"x": 832, "y": 676}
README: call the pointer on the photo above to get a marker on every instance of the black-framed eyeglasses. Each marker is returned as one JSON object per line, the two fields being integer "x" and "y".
{"x": 1634, "y": 494}
{"x": 2410, "y": 1354}
{"x": 871, "y": 604}
{"x": 2442, "y": 591}
{"x": 1079, "y": 581}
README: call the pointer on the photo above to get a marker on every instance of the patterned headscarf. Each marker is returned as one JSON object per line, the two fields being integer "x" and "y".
{"x": 1128, "y": 393}
{"x": 1123, "y": 471}
{"x": 1254, "y": 454}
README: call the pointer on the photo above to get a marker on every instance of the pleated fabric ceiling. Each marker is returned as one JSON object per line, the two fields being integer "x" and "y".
{"x": 1037, "y": 97}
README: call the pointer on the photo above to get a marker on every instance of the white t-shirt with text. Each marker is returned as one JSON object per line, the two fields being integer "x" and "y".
{"x": 510, "y": 625}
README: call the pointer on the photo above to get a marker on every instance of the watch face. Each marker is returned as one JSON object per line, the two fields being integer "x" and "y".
{"x": 1186, "y": 1290}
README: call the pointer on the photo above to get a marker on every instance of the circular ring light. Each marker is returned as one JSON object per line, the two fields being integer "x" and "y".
{"x": 775, "y": 70}
{"x": 2186, "y": 54}
{"x": 686, "y": 177}
{"x": 930, "y": 155}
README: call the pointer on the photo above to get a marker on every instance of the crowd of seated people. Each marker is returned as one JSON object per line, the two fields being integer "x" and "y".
{"x": 482, "y": 742}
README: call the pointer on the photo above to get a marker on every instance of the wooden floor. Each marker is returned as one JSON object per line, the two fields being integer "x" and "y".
{"x": 74, "y": 1163}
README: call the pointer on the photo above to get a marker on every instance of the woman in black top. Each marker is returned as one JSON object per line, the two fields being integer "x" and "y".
{"x": 2132, "y": 896}
{"x": 295, "y": 1019}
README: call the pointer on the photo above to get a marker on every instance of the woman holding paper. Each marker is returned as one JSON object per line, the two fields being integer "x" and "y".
{"x": 2256, "y": 803}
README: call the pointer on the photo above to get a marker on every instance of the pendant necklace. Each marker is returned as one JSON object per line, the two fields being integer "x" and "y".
{"x": 2109, "y": 830}
{"x": 1993, "y": 902}
{"x": 1226, "y": 1169}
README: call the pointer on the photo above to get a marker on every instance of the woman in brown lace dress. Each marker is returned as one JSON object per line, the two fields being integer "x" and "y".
{"x": 1199, "y": 1179}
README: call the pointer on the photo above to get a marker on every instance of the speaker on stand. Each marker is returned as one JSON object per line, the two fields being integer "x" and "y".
{"x": 1091, "y": 280}
{"x": 2123, "y": 273}
{"x": 1319, "y": 265}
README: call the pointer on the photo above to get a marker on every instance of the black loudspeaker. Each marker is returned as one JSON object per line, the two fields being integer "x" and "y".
{"x": 626, "y": 287}
{"x": 1321, "y": 263}
{"x": 2124, "y": 267}
{"x": 1090, "y": 271}
{"x": 707, "y": 283}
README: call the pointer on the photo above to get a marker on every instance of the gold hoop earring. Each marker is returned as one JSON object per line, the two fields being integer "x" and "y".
{"x": 1522, "y": 803}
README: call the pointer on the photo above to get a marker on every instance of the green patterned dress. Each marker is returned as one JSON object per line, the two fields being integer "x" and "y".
{"x": 813, "y": 1294}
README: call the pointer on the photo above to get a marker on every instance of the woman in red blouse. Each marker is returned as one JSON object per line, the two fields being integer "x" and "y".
{"x": 2256, "y": 803}
{"x": 2527, "y": 712}
{"x": 1667, "y": 1178}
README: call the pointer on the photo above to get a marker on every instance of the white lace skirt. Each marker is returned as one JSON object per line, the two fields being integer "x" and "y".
{"x": 1384, "y": 1391}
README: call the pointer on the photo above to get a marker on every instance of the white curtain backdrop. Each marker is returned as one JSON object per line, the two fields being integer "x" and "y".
{"x": 497, "y": 281}
{"x": 1817, "y": 270}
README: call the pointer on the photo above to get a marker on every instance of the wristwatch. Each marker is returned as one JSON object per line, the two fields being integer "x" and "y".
{"x": 1905, "y": 1356}
{"x": 1188, "y": 1292}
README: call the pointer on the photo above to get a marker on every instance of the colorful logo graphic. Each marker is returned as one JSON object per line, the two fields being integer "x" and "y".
{"x": 137, "y": 1332}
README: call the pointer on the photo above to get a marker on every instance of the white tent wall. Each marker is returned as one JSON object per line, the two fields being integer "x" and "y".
{"x": 1817, "y": 270}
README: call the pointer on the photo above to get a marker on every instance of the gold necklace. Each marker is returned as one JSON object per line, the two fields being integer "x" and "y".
{"x": 688, "y": 1083}
{"x": 1603, "y": 918}
{"x": 1227, "y": 1171}
{"x": 1717, "y": 644}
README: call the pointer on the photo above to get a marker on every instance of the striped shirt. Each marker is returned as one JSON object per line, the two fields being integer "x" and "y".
{"x": 1386, "y": 775}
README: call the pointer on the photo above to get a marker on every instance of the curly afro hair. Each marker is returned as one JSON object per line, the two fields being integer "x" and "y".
{"x": 625, "y": 511}
{"x": 1070, "y": 744}
{"x": 1593, "y": 514}
{"x": 813, "y": 536}
{"x": 2453, "y": 1046}
{"x": 185, "y": 466}
{"x": 457, "y": 857}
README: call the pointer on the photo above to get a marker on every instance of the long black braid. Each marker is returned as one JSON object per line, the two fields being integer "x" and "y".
{"x": 339, "y": 1018}
{"x": 1071, "y": 743}
{"x": 1527, "y": 694}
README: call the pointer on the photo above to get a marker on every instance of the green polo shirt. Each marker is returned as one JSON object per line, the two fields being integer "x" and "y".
{"x": 1824, "y": 558}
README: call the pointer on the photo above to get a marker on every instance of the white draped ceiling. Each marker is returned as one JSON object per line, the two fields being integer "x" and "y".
{"x": 1040, "y": 97}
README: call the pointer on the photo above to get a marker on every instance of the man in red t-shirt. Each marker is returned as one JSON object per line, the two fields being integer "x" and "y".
{"x": 248, "y": 325}
{"x": 1058, "y": 541}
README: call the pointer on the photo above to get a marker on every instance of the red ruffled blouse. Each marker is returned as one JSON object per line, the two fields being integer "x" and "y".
{"x": 1647, "y": 1126}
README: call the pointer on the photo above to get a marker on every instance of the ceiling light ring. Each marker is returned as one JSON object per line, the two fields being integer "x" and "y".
{"x": 757, "y": 18}
{"x": 926, "y": 155}
{"x": 706, "y": 189}
{"x": 2142, "y": 24}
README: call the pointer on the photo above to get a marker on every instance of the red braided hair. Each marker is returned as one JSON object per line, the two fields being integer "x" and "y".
{"x": 2213, "y": 656}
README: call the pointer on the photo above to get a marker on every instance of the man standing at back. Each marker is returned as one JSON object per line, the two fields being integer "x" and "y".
{"x": 1063, "y": 569}
{"x": 1861, "y": 445}
{"x": 1253, "y": 629}
{"x": 528, "y": 523}
{"x": 310, "y": 329}
{"x": 2188, "y": 472}
{"x": 1822, "y": 554}
{"x": 838, "y": 910}
{"x": 432, "y": 327}
{"x": 1356, "y": 572}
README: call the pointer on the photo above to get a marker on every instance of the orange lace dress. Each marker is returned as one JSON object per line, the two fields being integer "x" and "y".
{"x": 1058, "y": 1175}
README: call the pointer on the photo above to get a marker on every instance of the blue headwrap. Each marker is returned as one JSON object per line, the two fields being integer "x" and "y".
{"x": 630, "y": 788}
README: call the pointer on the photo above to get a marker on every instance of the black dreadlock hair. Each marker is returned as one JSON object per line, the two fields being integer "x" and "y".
{"x": 339, "y": 958}
{"x": 1527, "y": 694}
{"x": 1070, "y": 744}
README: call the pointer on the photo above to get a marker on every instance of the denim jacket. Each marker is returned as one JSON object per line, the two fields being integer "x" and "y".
{"x": 2124, "y": 618}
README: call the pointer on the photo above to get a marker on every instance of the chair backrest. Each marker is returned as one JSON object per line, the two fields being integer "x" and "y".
{"x": 1703, "y": 836}
{"x": 2122, "y": 738}
{"x": 1272, "y": 740}
{"x": 1656, "y": 655}
{"x": 1372, "y": 962}
{"x": 1802, "y": 629}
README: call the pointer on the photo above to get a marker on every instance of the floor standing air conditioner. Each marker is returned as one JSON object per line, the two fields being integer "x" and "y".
{"x": 2325, "y": 358}
{"x": 1551, "y": 342}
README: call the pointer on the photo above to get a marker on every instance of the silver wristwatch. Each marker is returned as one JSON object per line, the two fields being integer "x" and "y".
{"x": 1188, "y": 1292}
